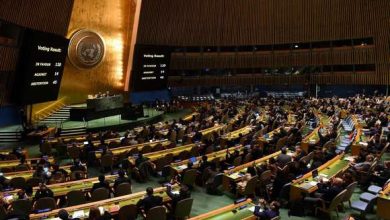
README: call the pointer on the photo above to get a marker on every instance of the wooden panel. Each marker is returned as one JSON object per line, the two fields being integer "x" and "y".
{"x": 265, "y": 22}
{"x": 45, "y": 15}
{"x": 113, "y": 20}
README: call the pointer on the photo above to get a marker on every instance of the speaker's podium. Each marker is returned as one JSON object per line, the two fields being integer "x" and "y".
{"x": 106, "y": 106}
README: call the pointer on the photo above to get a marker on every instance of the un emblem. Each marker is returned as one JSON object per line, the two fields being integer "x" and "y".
{"x": 86, "y": 49}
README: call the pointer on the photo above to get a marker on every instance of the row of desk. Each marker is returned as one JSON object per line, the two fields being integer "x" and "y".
{"x": 111, "y": 205}
{"x": 307, "y": 184}
{"x": 32, "y": 162}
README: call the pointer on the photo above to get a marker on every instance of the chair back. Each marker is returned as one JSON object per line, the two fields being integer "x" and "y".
{"x": 160, "y": 163}
{"x": 305, "y": 159}
{"x": 337, "y": 200}
{"x": 247, "y": 158}
{"x": 3, "y": 212}
{"x": 114, "y": 144}
{"x": 183, "y": 208}
{"x": 180, "y": 134}
{"x": 237, "y": 161}
{"x": 133, "y": 151}
{"x": 281, "y": 142}
{"x": 45, "y": 148}
{"x": 194, "y": 151}
{"x": 217, "y": 181}
{"x": 21, "y": 206}
{"x": 74, "y": 175}
{"x": 350, "y": 189}
{"x": 21, "y": 167}
{"x": 75, "y": 197}
{"x": 156, "y": 213}
{"x": 18, "y": 183}
{"x": 34, "y": 181}
{"x": 128, "y": 212}
{"x": 100, "y": 194}
{"x": 123, "y": 189}
{"x": 172, "y": 138}
{"x": 158, "y": 147}
{"x": 189, "y": 177}
{"x": 45, "y": 203}
{"x": 168, "y": 158}
{"x": 7, "y": 170}
{"x": 184, "y": 155}
{"x": 107, "y": 161}
{"x": 209, "y": 150}
{"x": 265, "y": 177}
{"x": 250, "y": 186}
{"x": 146, "y": 149}
{"x": 285, "y": 192}
{"x": 74, "y": 152}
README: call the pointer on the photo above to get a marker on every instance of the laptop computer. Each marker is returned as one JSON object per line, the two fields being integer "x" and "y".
{"x": 193, "y": 159}
{"x": 314, "y": 173}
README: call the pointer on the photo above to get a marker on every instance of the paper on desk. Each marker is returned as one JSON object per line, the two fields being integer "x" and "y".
{"x": 349, "y": 158}
{"x": 78, "y": 214}
{"x": 313, "y": 183}
{"x": 182, "y": 167}
{"x": 252, "y": 208}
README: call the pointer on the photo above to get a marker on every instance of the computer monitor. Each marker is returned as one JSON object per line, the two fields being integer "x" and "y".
{"x": 314, "y": 173}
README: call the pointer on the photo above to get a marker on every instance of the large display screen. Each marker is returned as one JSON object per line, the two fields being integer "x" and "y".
{"x": 40, "y": 67}
{"x": 150, "y": 67}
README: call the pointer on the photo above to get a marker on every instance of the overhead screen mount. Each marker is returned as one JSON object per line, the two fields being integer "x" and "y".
{"x": 150, "y": 68}
{"x": 41, "y": 64}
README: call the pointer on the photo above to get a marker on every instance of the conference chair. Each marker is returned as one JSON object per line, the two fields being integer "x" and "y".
{"x": 333, "y": 204}
{"x": 265, "y": 181}
{"x": 247, "y": 158}
{"x": 180, "y": 135}
{"x": 46, "y": 203}
{"x": 123, "y": 189}
{"x": 184, "y": 155}
{"x": 3, "y": 212}
{"x": 159, "y": 163}
{"x": 45, "y": 148}
{"x": 78, "y": 174}
{"x": 189, "y": 177}
{"x": 114, "y": 144}
{"x": 156, "y": 213}
{"x": 173, "y": 136}
{"x": 213, "y": 188}
{"x": 22, "y": 167}
{"x": 183, "y": 209}
{"x": 18, "y": 183}
{"x": 74, "y": 152}
{"x": 76, "y": 197}
{"x": 100, "y": 194}
{"x": 128, "y": 212}
{"x": 6, "y": 169}
{"x": 249, "y": 189}
{"x": 146, "y": 149}
{"x": 158, "y": 147}
{"x": 237, "y": 161}
{"x": 209, "y": 150}
{"x": 194, "y": 151}
{"x": 350, "y": 189}
{"x": 107, "y": 162}
{"x": 364, "y": 207}
{"x": 21, "y": 206}
{"x": 34, "y": 181}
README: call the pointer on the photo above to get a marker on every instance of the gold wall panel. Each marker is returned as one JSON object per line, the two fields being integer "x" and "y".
{"x": 113, "y": 20}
